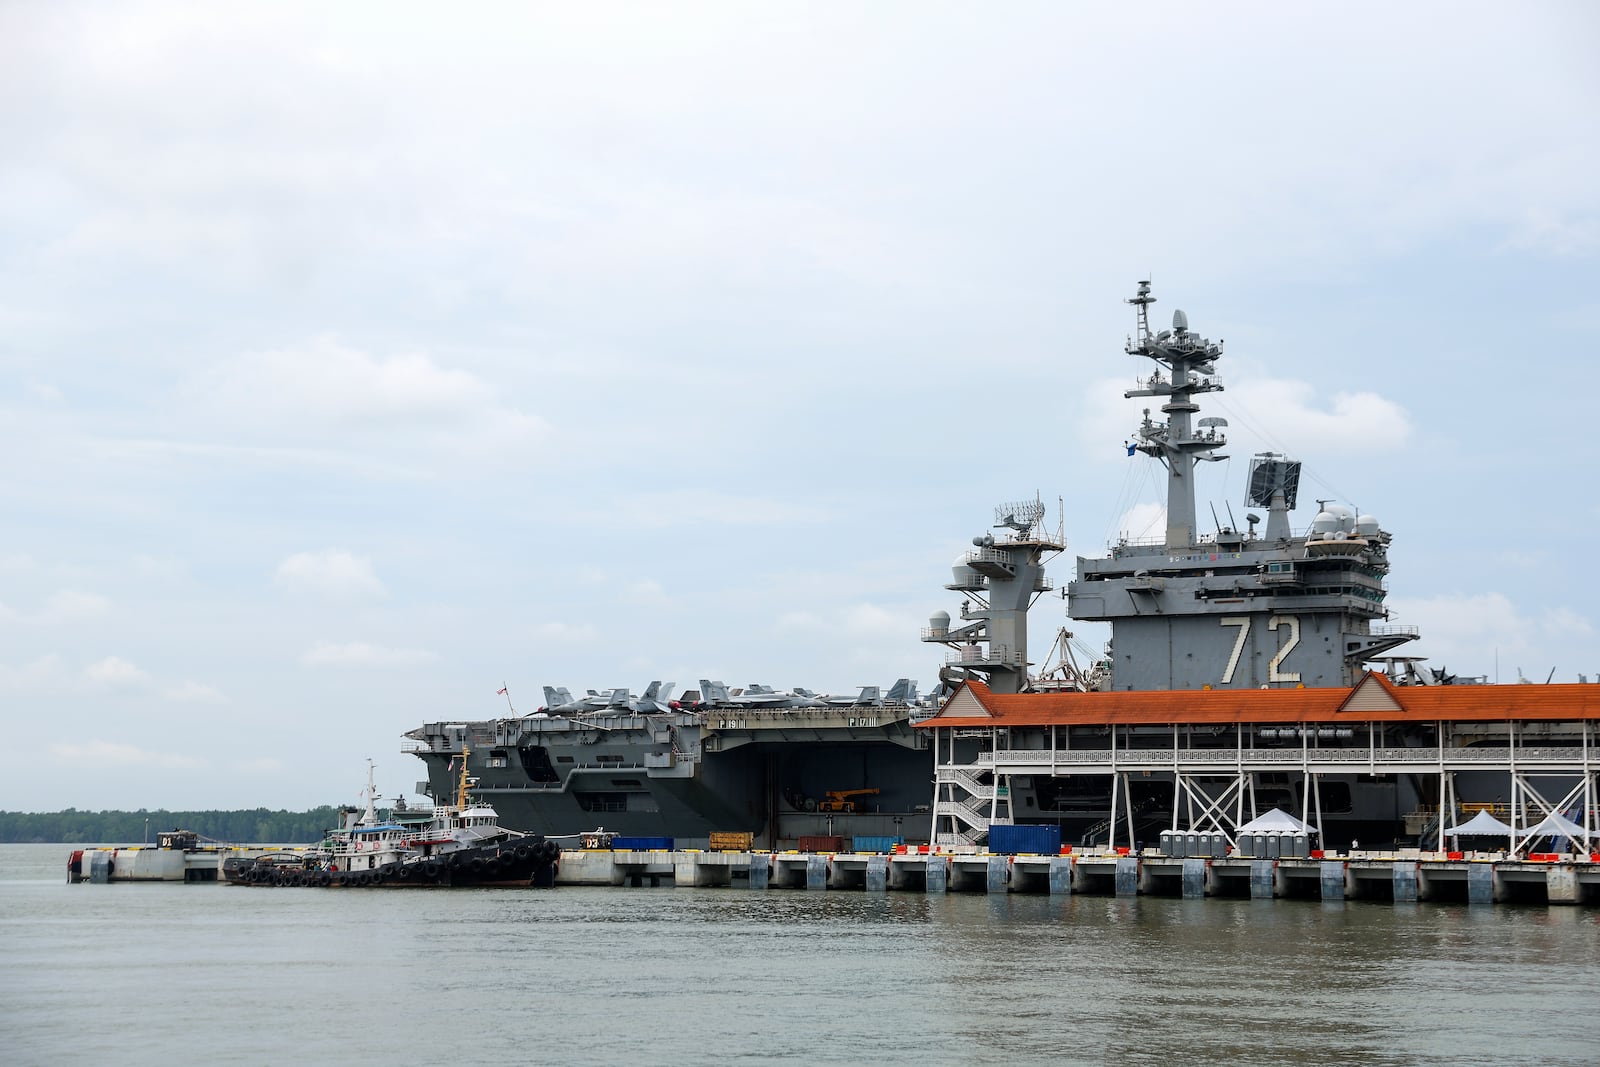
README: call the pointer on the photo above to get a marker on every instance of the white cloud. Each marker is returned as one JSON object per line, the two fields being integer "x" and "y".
{"x": 116, "y": 672}
{"x": 564, "y": 632}
{"x": 706, "y": 507}
{"x": 61, "y": 609}
{"x": 800, "y": 620}
{"x": 328, "y": 392}
{"x": 260, "y": 765}
{"x": 69, "y": 606}
{"x": 1264, "y": 413}
{"x": 331, "y": 572}
{"x": 46, "y": 671}
{"x": 191, "y": 692}
{"x": 362, "y": 654}
{"x": 1481, "y": 633}
{"x": 645, "y": 593}
{"x": 1142, "y": 522}
{"x": 73, "y": 756}
{"x": 871, "y": 621}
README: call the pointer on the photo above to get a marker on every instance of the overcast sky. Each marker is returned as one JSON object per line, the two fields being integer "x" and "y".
{"x": 357, "y": 360}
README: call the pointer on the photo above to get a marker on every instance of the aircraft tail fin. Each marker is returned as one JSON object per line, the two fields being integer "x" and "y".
{"x": 713, "y": 692}
{"x": 656, "y": 697}
{"x": 903, "y": 691}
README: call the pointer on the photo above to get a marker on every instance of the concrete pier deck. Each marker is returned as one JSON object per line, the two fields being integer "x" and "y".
{"x": 152, "y": 863}
{"x": 1406, "y": 875}
{"x": 1401, "y": 876}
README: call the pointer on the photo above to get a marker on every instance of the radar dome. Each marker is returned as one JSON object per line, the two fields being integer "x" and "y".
{"x": 1324, "y": 523}
{"x": 964, "y": 577}
{"x": 1180, "y": 321}
{"x": 939, "y": 621}
{"x": 1345, "y": 517}
{"x": 1367, "y": 526}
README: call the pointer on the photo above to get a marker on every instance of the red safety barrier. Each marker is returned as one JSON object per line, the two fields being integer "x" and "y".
{"x": 1122, "y": 850}
{"x": 1316, "y": 853}
{"x": 1455, "y": 855}
{"x": 1066, "y": 850}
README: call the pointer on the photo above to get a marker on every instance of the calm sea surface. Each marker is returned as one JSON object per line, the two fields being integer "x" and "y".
{"x": 144, "y": 974}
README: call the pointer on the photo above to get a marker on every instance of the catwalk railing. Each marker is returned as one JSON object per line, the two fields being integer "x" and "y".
{"x": 1398, "y": 760}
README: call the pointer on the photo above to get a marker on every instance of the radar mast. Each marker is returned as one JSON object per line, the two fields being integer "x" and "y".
{"x": 1191, "y": 364}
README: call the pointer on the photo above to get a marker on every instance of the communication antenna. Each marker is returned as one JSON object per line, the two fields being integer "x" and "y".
{"x": 1142, "y": 301}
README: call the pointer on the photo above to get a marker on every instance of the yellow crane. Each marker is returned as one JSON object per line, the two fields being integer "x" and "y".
{"x": 840, "y": 799}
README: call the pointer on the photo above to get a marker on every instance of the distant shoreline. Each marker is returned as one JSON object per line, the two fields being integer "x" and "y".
{"x": 73, "y": 827}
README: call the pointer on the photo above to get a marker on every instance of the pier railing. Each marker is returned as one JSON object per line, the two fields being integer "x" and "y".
{"x": 1477, "y": 757}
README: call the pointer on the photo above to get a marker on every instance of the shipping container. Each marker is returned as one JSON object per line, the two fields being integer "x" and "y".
{"x": 1039, "y": 838}
{"x": 876, "y": 844}
{"x": 642, "y": 844}
{"x": 730, "y": 841}
{"x": 821, "y": 844}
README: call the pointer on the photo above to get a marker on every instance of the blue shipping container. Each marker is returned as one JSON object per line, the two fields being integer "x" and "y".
{"x": 642, "y": 844}
{"x": 876, "y": 844}
{"x": 1041, "y": 838}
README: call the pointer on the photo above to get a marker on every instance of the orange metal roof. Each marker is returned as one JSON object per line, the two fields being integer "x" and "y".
{"x": 1455, "y": 703}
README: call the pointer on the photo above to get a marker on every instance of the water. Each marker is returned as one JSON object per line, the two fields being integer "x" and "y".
{"x": 137, "y": 974}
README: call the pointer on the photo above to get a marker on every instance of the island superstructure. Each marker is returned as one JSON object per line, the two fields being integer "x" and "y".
{"x": 1232, "y": 608}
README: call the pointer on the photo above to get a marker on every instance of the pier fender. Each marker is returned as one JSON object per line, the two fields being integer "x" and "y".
{"x": 1405, "y": 881}
{"x": 1195, "y": 870}
{"x": 999, "y": 873}
{"x": 1262, "y": 879}
{"x": 938, "y": 876}
{"x": 817, "y": 872}
{"x": 1060, "y": 875}
{"x": 1332, "y": 876}
{"x": 877, "y": 874}
{"x": 1127, "y": 877}
{"x": 1481, "y": 883}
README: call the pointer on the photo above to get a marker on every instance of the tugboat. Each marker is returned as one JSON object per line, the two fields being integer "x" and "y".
{"x": 460, "y": 844}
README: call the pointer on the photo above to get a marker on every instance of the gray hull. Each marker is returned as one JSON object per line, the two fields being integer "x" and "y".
{"x": 689, "y": 775}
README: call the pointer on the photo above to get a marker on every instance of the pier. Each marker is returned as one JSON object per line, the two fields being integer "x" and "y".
{"x": 1399, "y": 876}
{"x": 156, "y": 863}
{"x": 1403, "y": 876}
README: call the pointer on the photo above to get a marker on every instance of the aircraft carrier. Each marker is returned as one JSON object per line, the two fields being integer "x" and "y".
{"x": 1262, "y": 606}
{"x": 780, "y": 766}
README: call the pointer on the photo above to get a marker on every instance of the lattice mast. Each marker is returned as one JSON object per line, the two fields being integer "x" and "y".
{"x": 1190, "y": 361}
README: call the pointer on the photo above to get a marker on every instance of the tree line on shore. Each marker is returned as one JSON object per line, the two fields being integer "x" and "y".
{"x": 131, "y": 827}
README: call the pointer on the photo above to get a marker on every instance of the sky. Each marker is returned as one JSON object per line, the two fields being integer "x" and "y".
{"x": 360, "y": 360}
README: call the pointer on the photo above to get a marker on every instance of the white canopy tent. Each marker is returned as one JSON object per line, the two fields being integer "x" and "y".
{"x": 1557, "y": 825}
{"x": 1276, "y": 821}
{"x": 1482, "y": 823}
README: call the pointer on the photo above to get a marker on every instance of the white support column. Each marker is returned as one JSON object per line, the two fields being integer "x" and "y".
{"x": 1127, "y": 799}
{"x": 1116, "y": 779}
{"x": 1511, "y": 758}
